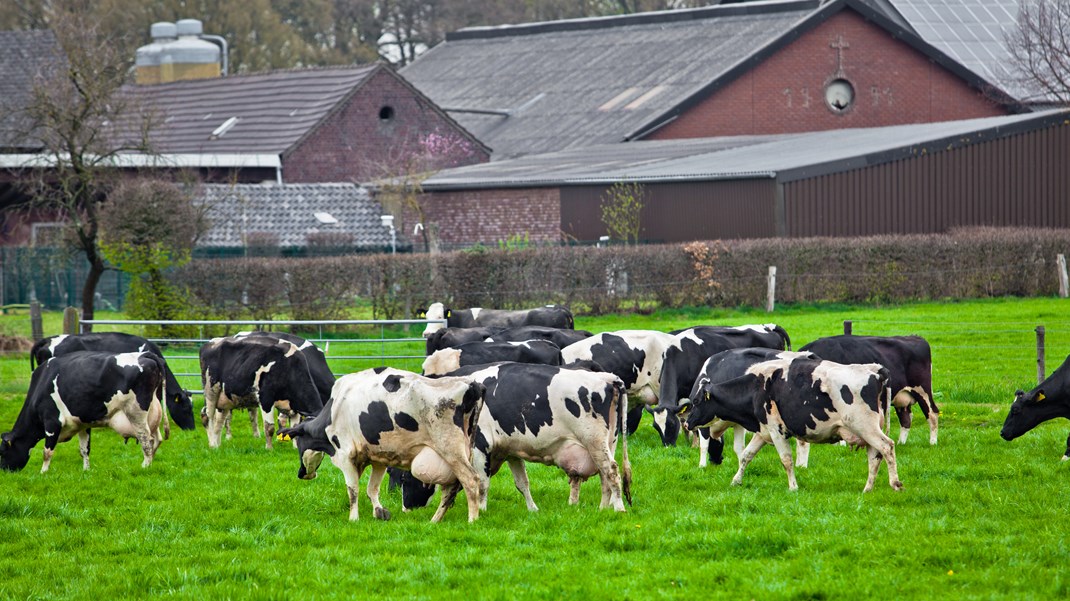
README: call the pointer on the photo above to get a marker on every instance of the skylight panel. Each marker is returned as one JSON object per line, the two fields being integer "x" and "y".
{"x": 619, "y": 98}
{"x": 224, "y": 128}
{"x": 638, "y": 102}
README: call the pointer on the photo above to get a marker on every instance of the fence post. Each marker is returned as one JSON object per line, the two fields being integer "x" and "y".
{"x": 70, "y": 321}
{"x": 36, "y": 328}
{"x": 1064, "y": 282}
{"x": 848, "y": 327}
{"x": 1040, "y": 354}
{"x": 770, "y": 298}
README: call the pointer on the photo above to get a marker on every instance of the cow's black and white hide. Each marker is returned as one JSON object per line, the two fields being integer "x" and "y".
{"x": 454, "y": 337}
{"x": 552, "y": 316}
{"x": 77, "y": 391}
{"x": 255, "y": 372}
{"x": 481, "y": 353}
{"x": 634, "y": 356}
{"x": 815, "y": 400}
{"x": 1049, "y": 400}
{"x": 908, "y": 360}
{"x": 560, "y": 337}
{"x": 392, "y": 418}
{"x": 178, "y": 401}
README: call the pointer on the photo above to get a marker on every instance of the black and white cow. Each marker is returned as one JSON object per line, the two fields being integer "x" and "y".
{"x": 392, "y": 418}
{"x": 908, "y": 360}
{"x": 722, "y": 367}
{"x": 634, "y": 356}
{"x": 558, "y": 336}
{"x": 454, "y": 337}
{"x": 480, "y": 353}
{"x": 554, "y": 416}
{"x": 75, "y": 392}
{"x": 247, "y": 372}
{"x": 553, "y": 316}
{"x": 816, "y": 400}
{"x": 178, "y": 401}
{"x": 1049, "y": 400}
{"x": 683, "y": 361}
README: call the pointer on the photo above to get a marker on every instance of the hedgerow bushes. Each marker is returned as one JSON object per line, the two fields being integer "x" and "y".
{"x": 967, "y": 263}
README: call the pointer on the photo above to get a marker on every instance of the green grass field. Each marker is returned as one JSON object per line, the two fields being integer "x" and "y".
{"x": 978, "y": 518}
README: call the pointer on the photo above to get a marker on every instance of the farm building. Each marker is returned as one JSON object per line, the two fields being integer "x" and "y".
{"x": 921, "y": 178}
{"x": 742, "y": 69}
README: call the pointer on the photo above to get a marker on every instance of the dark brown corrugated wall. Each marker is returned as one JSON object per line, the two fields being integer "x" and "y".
{"x": 680, "y": 212}
{"x": 1020, "y": 180}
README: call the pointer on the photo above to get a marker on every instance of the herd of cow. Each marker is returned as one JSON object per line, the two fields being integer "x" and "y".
{"x": 506, "y": 387}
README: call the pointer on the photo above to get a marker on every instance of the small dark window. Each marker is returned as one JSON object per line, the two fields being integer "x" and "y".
{"x": 386, "y": 113}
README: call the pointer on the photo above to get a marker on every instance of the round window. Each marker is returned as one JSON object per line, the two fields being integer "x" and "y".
{"x": 839, "y": 94}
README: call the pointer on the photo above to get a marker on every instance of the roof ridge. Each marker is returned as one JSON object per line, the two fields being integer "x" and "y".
{"x": 267, "y": 73}
{"x": 646, "y": 18}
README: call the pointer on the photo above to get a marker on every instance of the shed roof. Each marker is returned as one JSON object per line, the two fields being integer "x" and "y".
{"x": 551, "y": 86}
{"x": 784, "y": 157}
{"x": 288, "y": 213}
{"x": 22, "y": 55}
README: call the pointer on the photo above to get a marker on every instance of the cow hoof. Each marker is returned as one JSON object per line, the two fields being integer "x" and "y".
{"x": 736, "y": 481}
{"x": 897, "y": 485}
{"x": 382, "y": 513}
{"x": 1066, "y": 458}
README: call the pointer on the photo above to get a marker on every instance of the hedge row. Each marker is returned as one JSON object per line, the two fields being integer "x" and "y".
{"x": 968, "y": 263}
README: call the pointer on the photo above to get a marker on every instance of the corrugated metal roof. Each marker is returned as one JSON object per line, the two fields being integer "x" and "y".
{"x": 787, "y": 157}
{"x": 22, "y": 55}
{"x": 563, "y": 74}
{"x": 273, "y": 110}
{"x": 288, "y": 213}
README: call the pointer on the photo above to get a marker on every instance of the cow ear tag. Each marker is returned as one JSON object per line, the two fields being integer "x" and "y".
{"x": 448, "y": 313}
{"x": 1040, "y": 396}
{"x": 707, "y": 395}
{"x": 282, "y": 437}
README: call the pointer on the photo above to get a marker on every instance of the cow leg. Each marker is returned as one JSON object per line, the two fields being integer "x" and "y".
{"x": 269, "y": 426}
{"x": 226, "y": 424}
{"x": 608, "y": 471}
{"x": 931, "y": 413}
{"x": 1066, "y": 457}
{"x": 520, "y": 477}
{"x": 83, "y": 446}
{"x": 635, "y": 415}
{"x": 784, "y": 450}
{"x": 376, "y": 479}
{"x": 905, "y": 419}
{"x": 747, "y": 456}
{"x": 215, "y": 416}
{"x": 351, "y": 472}
{"x": 739, "y": 440}
{"x": 449, "y": 493}
{"x": 474, "y": 490}
{"x": 253, "y": 423}
{"x": 703, "y": 447}
{"x": 802, "y": 453}
{"x": 881, "y": 448}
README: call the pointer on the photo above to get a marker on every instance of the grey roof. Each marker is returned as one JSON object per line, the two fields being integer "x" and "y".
{"x": 581, "y": 82}
{"x": 786, "y": 157}
{"x": 971, "y": 32}
{"x": 274, "y": 110}
{"x": 287, "y": 213}
{"x": 22, "y": 56}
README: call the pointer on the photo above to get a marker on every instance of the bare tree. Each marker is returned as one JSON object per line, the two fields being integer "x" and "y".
{"x": 80, "y": 119}
{"x": 1040, "y": 48}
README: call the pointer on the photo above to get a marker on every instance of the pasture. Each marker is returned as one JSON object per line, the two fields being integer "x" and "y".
{"x": 978, "y": 518}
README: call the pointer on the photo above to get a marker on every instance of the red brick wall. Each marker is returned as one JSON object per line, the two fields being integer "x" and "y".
{"x": 491, "y": 215}
{"x": 355, "y": 145}
{"x": 894, "y": 84}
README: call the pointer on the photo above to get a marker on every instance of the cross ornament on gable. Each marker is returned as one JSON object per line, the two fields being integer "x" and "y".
{"x": 839, "y": 44}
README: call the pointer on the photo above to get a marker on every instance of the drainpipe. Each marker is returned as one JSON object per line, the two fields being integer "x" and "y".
{"x": 218, "y": 39}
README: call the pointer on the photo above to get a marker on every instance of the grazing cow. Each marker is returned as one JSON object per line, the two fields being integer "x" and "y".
{"x": 908, "y": 360}
{"x": 454, "y": 337}
{"x": 554, "y": 416}
{"x": 722, "y": 367}
{"x": 255, "y": 371}
{"x": 816, "y": 400}
{"x": 553, "y": 316}
{"x": 558, "y": 336}
{"x": 392, "y": 418}
{"x": 178, "y": 401}
{"x": 480, "y": 353}
{"x": 683, "y": 361}
{"x": 1050, "y": 399}
{"x": 634, "y": 356}
{"x": 77, "y": 391}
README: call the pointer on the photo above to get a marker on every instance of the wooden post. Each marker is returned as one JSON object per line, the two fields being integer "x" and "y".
{"x": 36, "y": 328}
{"x": 1040, "y": 354}
{"x": 1064, "y": 282}
{"x": 848, "y": 327}
{"x": 770, "y": 297}
{"x": 70, "y": 321}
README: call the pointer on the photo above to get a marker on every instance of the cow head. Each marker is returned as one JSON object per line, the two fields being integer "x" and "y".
{"x": 13, "y": 455}
{"x": 180, "y": 407}
{"x": 667, "y": 423}
{"x": 435, "y": 311}
{"x": 1028, "y": 410}
{"x": 442, "y": 361}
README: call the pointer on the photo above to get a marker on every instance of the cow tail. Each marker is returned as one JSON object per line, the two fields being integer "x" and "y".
{"x": 161, "y": 389}
{"x": 626, "y": 465}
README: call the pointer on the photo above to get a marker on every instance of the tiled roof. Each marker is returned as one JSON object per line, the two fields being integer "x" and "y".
{"x": 288, "y": 214}
{"x": 591, "y": 81}
{"x": 22, "y": 54}
{"x": 273, "y": 111}
{"x": 786, "y": 157}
